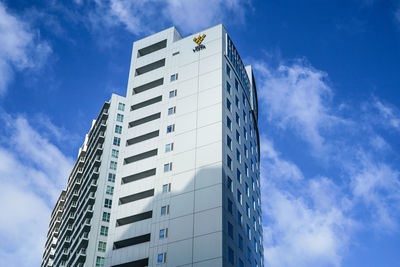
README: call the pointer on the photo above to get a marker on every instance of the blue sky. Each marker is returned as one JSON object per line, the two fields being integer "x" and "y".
{"x": 328, "y": 75}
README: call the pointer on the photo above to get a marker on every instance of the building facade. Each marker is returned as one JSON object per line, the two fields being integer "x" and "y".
{"x": 80, "y": 220}
{"x": 187, "y": 191}
{"x": 169, "y": 175}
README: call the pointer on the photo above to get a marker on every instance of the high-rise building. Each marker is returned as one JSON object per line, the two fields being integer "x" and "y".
{"x": 187, "y": 191}
{"x": 80, "y": 220}
{"x": 181, "y": 162}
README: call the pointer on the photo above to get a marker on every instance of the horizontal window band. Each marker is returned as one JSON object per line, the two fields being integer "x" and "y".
{"x": 137, "y": 196}
{"x": 138, "y": 176}
{"x": 146, "y": 103}
{"x": 134, "y": 218}
{"x": 148, "y": 86}
{"x": 141, "y": 156}
{"x": 131, "y": 241}
{"x": 137, "y": 263}
{"x": 142, "y": 138}
{"x": 145, "y": 120}
{"x": 152, "y": 48}
{"x": 149, "y": 67}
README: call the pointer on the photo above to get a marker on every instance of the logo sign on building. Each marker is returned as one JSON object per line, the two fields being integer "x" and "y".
{"x": 198, "y": 40}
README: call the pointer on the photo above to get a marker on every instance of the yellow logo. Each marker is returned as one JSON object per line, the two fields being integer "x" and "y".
{"x": 199, "y": 39}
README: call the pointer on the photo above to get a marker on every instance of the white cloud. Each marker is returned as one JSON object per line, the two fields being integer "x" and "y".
{"x": 377, "y": 185}
{"x": 32, "y": 173}
{"x": 310, "y": 219}
{"x": 390, "y": 115}
{"x": 144, "y": 16}
{"x": 305, "y": 221}
{"x": 274, "y": 166}
{"x": 193, "y": 15}
{"x": 21, "y": 47}
{"x": 297, "y": 96}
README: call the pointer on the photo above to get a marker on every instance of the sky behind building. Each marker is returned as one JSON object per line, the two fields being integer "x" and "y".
{"x": 327, "y": 75}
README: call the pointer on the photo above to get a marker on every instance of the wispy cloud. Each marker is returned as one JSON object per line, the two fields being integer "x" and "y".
{"x": 145, "y": 16}
{"x": 297, "y": 96}
{"x": 21, "y": 47}
{"x": 377, "y": 185}
{"x": 311, "y": 219}
{"x": 389, "y": 114}
{"x": 32, "y": 172}
{"x": 305, "y": 221}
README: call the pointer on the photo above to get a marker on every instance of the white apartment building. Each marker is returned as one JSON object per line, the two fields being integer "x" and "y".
{"x": 80, "y": 220}
{"x": 187, "y": 189}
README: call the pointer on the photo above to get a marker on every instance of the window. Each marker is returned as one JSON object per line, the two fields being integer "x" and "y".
{"x": 118, "y": 129}
{"x": 238, "y": 156}
{"x": 246, "y": 151}
{"x": 99, "y": 261}
{"x": 110, "y": 190}
{"x": 247, "y": 190}
{"x": 162, "y": 257}
{"x": 120, "y": 117}
{"x": 248, "y": 232}
{"x": 170, "y": 128}
{"x": 111, "y": 177}
{"x": 174, "y": 77}
{"x": 246, "y": 170}
{"x": 165, "y": 210}
{"x": 248, "y": 210}
{"x": 104, "y": 230}
{"x": 244, "y": 117}
{"x": 173, "y": 93}
{"x": 245, "y": 133}
{"x": 107, "y": 203}
{"x": 116, "y": 141}
{"x": 102, "y": 246}
{"x": 163, "y": 233}
{"x": 254, "y": 224}
{"x": 240, "y": 241}
{"x": 228, "y": 105}
{"x": 171, "y": 110}
{"x": 237, "y": 103}
{"x": 166, "y": 188}
{"x": 106, "y": 216}
{"x": 229, "y": 162}
{"x": 237, "y": 137}
{"x": 248, "y": 253}
{"x": 229, "y": 183}
{"x": 231, "y": 256}
{"x": 113, "y": 165}
{"x": 228, "y": 87}
{"x": 121, "y": 106}
{"x": 169, "y": 147}
{"x": 240, "y": 218}
{"x": 230, "y": 206}
{"x": 237, "y": 119}
{"x": 229, "y": 142}
{"x": 238, "y": 176}
{"x": 175, "y": 53}
{"x": 239, "y": 196}
{"x": 168, "y": 167}
{"x": 228, "y": 71}
{"x": 229, "y": 123}
{"x": 236, "y": 84}
{"x": 241, "y": 264}
{"x": 244, "y": 99}
{"x": 114, "y": 153}
{"x": 230, "y": 230}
